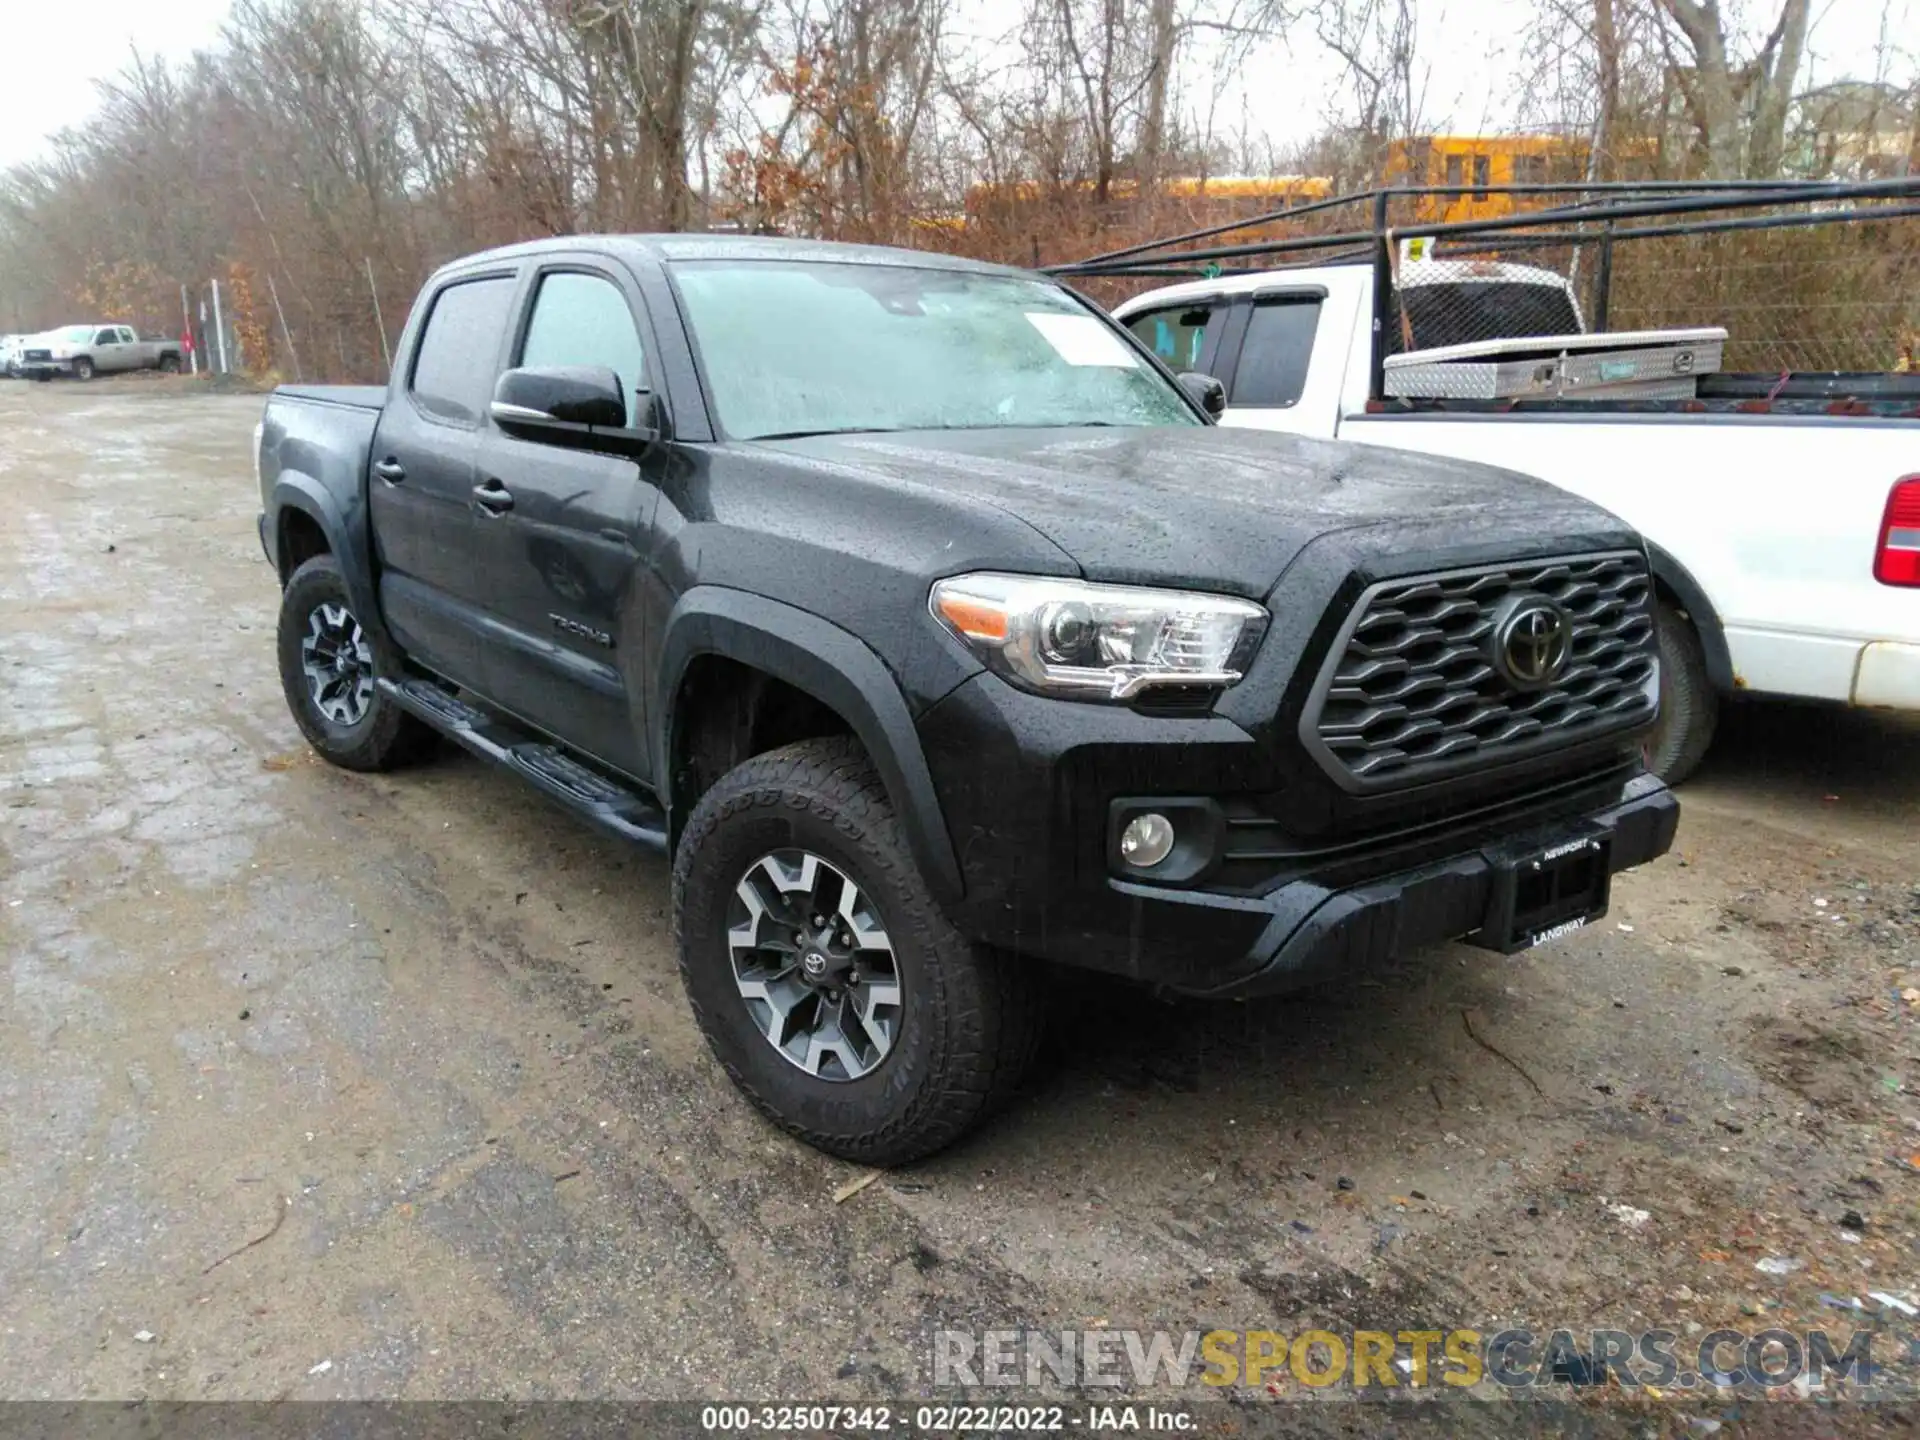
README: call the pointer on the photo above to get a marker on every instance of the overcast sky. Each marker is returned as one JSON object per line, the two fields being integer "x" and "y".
{"x": 53, "y": 56}
{"x": 51, "y": 59}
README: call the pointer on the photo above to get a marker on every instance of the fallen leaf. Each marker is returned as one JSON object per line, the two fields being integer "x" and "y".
{"x": 854, "y": 1186}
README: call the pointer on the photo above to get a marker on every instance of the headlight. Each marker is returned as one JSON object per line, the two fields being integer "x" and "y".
{"x": 60, "y": 352}
{"x": 1097, "y": 642}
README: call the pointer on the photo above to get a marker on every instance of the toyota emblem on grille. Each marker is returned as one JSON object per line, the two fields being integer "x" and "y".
{"x": 1532, "y": 641}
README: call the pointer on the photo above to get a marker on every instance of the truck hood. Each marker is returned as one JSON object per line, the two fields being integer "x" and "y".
{"x": 1230, "y": 509}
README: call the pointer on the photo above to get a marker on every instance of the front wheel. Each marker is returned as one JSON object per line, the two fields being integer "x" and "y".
{"x": 329, "y": 668}
{"x": 826, "y": 980}
{"x": 83, "y": 369}
{"x": 1689, "y": 705}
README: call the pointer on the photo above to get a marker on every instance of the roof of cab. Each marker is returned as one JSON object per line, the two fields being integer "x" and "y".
{"x": 685, "y": 246}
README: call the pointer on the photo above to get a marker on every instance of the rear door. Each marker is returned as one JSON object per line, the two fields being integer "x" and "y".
{"x": 139, "y": 354}
{"x": 432, "y": 583}
{"x": 564, "y": 529}
{"x": 1282, "y": 358}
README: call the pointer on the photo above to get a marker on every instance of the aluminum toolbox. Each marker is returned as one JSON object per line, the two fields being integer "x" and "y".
{"x": 1625, "y": 365}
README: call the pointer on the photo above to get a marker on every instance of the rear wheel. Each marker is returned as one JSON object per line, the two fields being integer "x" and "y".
{"x": 826, "y": 980}
{"x": 169, "y": 364}
{"x": 329, "y": 669}
{"x": 1689, "y": 705}
{"x": 83, "y": 369}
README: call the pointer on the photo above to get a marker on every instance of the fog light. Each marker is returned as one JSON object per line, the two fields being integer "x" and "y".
{"x": 1147, "y": 840}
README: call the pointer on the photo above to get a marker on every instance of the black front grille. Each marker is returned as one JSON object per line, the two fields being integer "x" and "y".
{"x": 1412, "y": 692}
{"x": 39, "y": 355}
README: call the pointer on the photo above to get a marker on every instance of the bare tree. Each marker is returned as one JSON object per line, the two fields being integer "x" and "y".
{"x": 1377, "y": 44}
{"x": 1738, "y": 110}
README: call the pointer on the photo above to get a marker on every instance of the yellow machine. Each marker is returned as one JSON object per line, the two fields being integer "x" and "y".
{"x": 1484, "y": 162}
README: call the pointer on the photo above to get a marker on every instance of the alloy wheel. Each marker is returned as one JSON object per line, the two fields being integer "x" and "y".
{"x": 338, "y": 661}
{"x": 814, "y": 965}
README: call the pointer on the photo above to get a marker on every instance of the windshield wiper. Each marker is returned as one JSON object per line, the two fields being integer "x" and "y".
{"x": 809, "y": 434}
{"x": 911, "y": 429}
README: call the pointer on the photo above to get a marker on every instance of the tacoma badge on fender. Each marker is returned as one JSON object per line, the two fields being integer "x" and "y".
{"x": 585, "y": 632}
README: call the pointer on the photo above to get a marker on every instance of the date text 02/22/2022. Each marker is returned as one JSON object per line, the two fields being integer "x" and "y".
{"x": 941, "y": 1419}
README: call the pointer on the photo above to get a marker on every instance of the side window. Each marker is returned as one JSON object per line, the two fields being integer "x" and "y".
{"x": 126, "y": 336}
{"x": 1273, "y": 359}
{"x": 1480, "y": 167}
{"x": 106, "y": 337}
{"x": 1177, "y": 334}
{"x": 1453, "y": 169}
{"x": 584, "y": 320}
{"x": 453, "y": 366}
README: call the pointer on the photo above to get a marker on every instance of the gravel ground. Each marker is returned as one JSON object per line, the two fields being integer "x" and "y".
{"x": 321, "y": 1085}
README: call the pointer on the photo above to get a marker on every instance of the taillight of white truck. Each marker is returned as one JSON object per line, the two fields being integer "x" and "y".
{"x": 1896, "y": 561}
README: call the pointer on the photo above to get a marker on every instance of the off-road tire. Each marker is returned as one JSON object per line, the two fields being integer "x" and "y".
{"x": 971, "y": 1015}
{"x": 83, "y": 369}
{"x": 169, "y": 365}
{"x": 1689, "y": 705}
{"x": 382, "y": 738}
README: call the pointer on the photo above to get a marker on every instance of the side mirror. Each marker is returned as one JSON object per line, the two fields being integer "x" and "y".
{"x": 570, "y": 394}
{"x": 1205, "y": 391}
{"x": 583, "y": 406}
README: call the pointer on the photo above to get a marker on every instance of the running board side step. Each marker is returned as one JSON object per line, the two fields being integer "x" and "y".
{"x": 590, "y": 795}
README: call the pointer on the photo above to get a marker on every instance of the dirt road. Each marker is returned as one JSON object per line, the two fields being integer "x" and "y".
{"x": 334, "y": 1085}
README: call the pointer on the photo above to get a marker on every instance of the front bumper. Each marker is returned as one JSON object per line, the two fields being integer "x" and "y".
{"x": 35, "y": 369}
{"x": 1299, "y": 887}
{"x": 1314, "y": 932}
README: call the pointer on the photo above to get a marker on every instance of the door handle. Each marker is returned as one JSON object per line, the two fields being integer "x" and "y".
{"x": 390, "y": 470}
{"x": 493, "y": 497}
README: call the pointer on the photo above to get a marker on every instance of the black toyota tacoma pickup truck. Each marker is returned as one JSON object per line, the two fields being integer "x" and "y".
{"x": 934, "y": 630}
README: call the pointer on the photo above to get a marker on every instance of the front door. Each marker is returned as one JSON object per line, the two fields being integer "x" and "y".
{"x": 432, "y": 584}
{"x": 110, "y": 350}
{"x": 564, "y": 532}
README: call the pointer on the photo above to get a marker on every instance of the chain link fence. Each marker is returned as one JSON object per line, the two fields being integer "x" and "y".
{"x": 1834, "y": 294}
{"x": 1809, "y": 278}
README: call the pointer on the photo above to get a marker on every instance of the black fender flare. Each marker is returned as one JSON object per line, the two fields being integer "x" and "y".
{"x": 836, "y": 668}
{"x": 1706, "y": 620}
{"x": 293, "y": 490}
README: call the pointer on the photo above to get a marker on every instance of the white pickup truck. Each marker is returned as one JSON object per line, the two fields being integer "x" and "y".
{"x": 84, "y": 351}
{"x": 1785, "y": 537}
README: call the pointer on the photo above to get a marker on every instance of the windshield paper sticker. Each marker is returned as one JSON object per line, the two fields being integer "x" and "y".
{"x": 1082, "y": 340}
